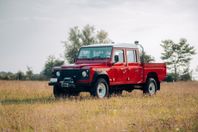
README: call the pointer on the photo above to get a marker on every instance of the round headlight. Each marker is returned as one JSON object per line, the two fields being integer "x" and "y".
{"x": 58, "y": 73}
{"x": 84, "y": 73}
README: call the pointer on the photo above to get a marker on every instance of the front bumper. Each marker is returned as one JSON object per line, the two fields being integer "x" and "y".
{"x": 68, "y": 83}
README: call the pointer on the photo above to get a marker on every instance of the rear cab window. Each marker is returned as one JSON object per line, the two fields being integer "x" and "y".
{"x": 131, "y": 56}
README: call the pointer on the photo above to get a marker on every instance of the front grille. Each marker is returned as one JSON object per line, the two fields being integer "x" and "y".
{"x": 68, "y": 80}
{"x": 75, "y": 74}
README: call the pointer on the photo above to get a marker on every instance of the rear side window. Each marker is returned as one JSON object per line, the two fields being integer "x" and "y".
{"x": 131, "y": 56}
{"x": 120, "y": 54}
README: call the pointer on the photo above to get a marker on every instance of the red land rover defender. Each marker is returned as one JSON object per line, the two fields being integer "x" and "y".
{"x": 105, "y": 69}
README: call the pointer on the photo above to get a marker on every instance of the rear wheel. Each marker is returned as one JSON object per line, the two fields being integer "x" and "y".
{"x": 100, "y": 89}
{"x": 150, "y": 87}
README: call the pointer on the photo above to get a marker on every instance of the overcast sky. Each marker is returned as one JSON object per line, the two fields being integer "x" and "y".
{"x": 31, "y": 30}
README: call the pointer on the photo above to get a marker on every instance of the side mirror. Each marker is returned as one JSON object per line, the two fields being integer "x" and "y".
{"x": 116, "y": 58}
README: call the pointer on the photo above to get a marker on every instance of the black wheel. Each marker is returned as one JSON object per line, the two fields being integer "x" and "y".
{"x": 58, "y": 92}
{"x": 100, "y": 89}
{"x": 150, "y": 87}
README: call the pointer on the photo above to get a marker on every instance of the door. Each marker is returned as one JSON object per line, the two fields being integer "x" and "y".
{"x": 135, "y": 71}
{"x": 119, "y": 68}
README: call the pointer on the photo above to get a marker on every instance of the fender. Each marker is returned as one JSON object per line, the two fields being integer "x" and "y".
{"x": 98, "y": 74}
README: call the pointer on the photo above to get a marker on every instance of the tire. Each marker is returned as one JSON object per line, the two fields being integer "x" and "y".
{"x": 100, "y": 89}
{"x": 150, "y": 87}
{"x": 58, "y": 92}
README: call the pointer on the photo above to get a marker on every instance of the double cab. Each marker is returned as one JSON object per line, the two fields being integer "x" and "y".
{"x": 105, "y": 69}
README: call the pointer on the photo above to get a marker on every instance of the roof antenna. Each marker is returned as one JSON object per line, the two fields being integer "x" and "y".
{"x": 143, "y": 53}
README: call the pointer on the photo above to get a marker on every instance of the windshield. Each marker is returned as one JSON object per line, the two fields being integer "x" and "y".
{"x": 95, "y": 53}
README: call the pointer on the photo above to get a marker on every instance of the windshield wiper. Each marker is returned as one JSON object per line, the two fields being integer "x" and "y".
{"x": 93, "y": 58}
{"x": 97, "y": 57}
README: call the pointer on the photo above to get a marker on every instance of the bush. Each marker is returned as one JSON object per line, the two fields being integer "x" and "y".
{"x": 169, "y": 78}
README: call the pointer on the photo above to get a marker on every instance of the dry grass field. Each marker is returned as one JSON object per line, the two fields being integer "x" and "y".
{"x": 30, "y": 106}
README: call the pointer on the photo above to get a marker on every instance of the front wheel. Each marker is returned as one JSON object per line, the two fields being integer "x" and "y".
{"x": 58, "y": 92}
{"x": 100, "y": 89}
{"x": 150, "y": 87}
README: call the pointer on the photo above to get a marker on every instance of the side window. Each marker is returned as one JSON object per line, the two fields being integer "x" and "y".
{"x": 131, "y": 56}
{"x": 120, "y": 54}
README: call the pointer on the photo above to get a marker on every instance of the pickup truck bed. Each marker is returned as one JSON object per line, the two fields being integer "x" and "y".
{"x": 158, "y": 68}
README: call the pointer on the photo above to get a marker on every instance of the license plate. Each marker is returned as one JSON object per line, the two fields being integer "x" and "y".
{"x": 53, "y": 80}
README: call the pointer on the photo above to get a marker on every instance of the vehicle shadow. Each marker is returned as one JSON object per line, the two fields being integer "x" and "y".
{"x": 28, "y": 100}
{"x": 43, "y": 100}
{"x": 51, "y": 99}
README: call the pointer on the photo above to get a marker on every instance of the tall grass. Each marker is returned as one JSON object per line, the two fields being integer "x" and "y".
{"x": 30, "y": 106}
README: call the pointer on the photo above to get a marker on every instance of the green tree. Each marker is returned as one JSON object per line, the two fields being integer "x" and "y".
{"x": 29, "y": 73}
{"x": 20, "y": 75}
{"x": 7, "y": 76}
{"x": 49, "y": 64}
{"x": 169, "y": 77}
{"x": 79, "y": 37}
{"x": 11, "y": 76}
{"x": 148, "y": 58}
{"x": 102, "y": 37}
{"x": 177, "y": 56}
{"x": 186, "y": 75}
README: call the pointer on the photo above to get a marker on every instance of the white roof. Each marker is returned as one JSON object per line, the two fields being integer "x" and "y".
{"x": 119, "y": 45}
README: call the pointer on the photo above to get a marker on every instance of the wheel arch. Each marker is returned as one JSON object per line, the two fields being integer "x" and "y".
{"x": 98, "y": 75}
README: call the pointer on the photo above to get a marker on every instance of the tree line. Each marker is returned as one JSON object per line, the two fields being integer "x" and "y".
{"x": 20, "y": 75}
{"x": 177, "y": 56}
{"x": 45, "y": 74}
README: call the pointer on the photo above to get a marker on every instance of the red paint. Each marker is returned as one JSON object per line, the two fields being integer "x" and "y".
{"x": 121, "y": 73}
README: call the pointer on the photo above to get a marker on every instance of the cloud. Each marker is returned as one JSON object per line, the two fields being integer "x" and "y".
{"x": 43, "y": 24}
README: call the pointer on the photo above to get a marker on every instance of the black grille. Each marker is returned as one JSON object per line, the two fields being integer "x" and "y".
{"x": 75, "y": 74}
